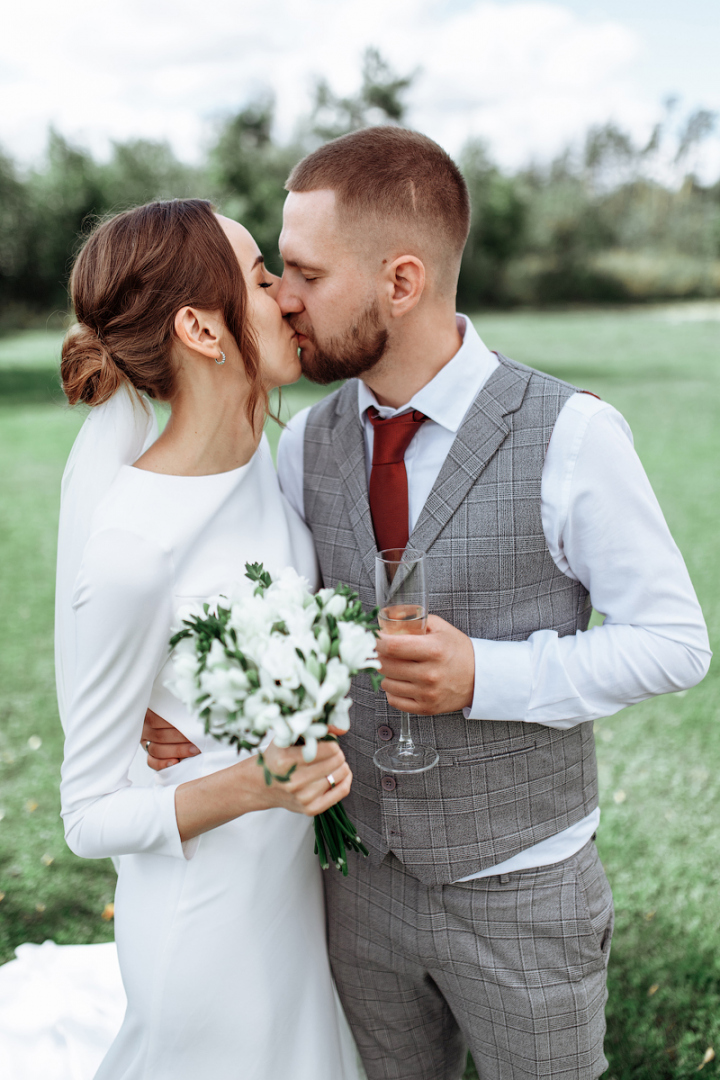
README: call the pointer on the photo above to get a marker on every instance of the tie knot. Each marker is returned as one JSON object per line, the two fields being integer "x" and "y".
{"x": 393, "y": 436}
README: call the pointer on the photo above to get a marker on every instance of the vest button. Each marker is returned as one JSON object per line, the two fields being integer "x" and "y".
{"x": 388, "y": 783}
{"x": 385, "y": 733}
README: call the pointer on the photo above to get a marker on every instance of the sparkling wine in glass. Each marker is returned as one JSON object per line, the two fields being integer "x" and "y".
{"x": 401, "y": 595}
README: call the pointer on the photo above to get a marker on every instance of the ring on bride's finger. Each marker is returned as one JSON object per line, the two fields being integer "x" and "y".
{"x": 147, "y": 747}
{"x": 331, "y": 780}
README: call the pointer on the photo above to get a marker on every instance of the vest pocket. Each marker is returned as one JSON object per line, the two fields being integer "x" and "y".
{"x": 495, "y": 754}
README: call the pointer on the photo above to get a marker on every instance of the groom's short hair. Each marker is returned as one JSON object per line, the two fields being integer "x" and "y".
{"x": 400, "y": 178}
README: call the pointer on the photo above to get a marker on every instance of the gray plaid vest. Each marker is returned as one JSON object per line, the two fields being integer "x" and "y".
{"x": 499, "y": 787}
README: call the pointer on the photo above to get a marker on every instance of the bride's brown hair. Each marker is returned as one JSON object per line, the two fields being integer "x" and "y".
{"x": 133, "y": 274}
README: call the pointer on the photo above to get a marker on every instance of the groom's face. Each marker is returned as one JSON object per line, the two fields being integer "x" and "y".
{"x": 330, "y": 291}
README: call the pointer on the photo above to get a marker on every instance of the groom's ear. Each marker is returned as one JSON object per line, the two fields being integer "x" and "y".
{"x": 198, "y": 330}
{"x": 405, "y": 284}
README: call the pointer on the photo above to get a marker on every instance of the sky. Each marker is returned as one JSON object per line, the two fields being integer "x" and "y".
{"x": 528, "y": 76}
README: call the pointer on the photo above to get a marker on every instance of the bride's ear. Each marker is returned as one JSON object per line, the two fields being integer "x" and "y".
{"x": 200, "y": 331}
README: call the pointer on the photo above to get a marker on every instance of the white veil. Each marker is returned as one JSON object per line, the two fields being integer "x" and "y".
{"x": 116, "y": 433}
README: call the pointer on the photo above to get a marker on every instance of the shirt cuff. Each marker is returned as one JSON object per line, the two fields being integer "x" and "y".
{"x": 502, "y": 680}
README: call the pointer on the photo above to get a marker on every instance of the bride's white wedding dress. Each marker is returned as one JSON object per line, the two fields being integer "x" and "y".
{"x": 221, "y": 940}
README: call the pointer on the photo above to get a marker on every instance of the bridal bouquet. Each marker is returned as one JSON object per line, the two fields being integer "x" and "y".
{"x": 275, "y": 662}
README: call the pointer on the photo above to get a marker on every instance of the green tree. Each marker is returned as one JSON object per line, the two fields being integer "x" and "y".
{"x": 14, "y": 219}
{"x": 378, "y": 101}
{"x": 140, "y": 171}
{"x": 62, "y": 194}
{"x": 497, "y": 229}
{"x": 247, "y": 171}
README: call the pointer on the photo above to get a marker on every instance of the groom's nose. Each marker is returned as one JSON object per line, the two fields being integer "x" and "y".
{"x": 290, "y": 303}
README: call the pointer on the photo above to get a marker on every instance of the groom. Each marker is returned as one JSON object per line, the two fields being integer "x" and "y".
{"x": 483, "y": 917}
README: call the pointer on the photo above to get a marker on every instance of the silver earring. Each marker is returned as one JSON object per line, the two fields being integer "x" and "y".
{"x": 220, "y": 361}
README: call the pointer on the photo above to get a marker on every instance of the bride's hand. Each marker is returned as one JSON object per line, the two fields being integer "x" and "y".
{"x": 308, "y": 791}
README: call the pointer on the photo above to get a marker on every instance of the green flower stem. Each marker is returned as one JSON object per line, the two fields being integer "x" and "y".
{"x": 335, "y": 834}
{"x": 320, "y": 845}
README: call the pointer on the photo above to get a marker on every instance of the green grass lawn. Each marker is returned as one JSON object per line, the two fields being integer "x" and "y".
{"x": 659, "y": 762}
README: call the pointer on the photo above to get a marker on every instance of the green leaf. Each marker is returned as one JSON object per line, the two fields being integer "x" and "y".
{"x": 270, "y": 776}
{"x": 257, "y": 572}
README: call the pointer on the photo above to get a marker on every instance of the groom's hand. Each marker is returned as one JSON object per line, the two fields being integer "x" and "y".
{"x": 430, "y": 673}
{"x": 167, "y": 745}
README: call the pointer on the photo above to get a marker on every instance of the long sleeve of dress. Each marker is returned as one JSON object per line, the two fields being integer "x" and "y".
{"x": 123, "y": 614}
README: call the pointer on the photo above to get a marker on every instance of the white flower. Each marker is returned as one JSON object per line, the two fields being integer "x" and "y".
{"x": 309, "y": 677}
{"x": 226, "y": 686}
{"x": 340, "y": 716}
{"x": 303, "y": 722}
{"x": 277, "y": 659}
{"x": 251, "y": 618}
{"x": 309, "y": 750}
{"x": 282, "y": 733}
{"x": 336, "y": 605}
{"x": 216, "y": 658}
{"x": 261, "y": 712}
{"x": 299, "y": 622}
{"x": 322, "y": 643}
{"x": 334, "y": 686}
{"x": 357, "y": 647}
{"x": 288, "y": 590}
{"x": 183, "y": 681}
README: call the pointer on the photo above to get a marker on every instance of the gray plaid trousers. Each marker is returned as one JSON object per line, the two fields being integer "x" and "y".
{"x": 512, "y": 966}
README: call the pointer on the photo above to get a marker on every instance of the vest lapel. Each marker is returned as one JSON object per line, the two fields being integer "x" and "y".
{"x": 481, "y": 433}
{"x": 349, "y": 447}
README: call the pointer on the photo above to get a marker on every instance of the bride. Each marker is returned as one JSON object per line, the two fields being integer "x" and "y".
{"x": 219, "y": 912}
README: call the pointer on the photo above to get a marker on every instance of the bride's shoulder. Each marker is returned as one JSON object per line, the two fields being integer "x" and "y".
{"x": 123, "y": 567}
{"x": 129, "y": 550}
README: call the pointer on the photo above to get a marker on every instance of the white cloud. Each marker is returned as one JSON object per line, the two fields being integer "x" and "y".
{"x": 525, "y": 75}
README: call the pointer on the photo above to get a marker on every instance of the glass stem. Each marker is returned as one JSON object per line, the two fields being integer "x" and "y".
{"x": 405, "y": 742}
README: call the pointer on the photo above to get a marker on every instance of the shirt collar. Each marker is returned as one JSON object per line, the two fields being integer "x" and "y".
{"x": 447, "y": 397}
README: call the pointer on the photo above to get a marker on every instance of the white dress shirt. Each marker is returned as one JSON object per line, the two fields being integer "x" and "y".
{"x": 603, "y": 527}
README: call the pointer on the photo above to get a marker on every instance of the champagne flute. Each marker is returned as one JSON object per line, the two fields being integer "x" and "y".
{"x": 401, "y": 595}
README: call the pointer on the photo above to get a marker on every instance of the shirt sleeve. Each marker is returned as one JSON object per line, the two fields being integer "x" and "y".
{"x": 123, "y": 614}
{"x": 291, "y": 462}
{"x": 604, "y": 527}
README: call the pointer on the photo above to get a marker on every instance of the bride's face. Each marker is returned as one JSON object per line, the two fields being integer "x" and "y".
{"x": 277, "y": 341}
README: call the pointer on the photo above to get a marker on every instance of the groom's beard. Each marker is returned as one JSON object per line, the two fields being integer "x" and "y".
{"x": 346, "y": 356}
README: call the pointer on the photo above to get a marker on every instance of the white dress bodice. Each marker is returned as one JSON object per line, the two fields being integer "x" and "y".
{"x": 157, "y": 542}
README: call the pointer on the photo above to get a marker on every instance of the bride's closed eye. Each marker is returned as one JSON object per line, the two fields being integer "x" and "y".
{"x": 265, "y": 284}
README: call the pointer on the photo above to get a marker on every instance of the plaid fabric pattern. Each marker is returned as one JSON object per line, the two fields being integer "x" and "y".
{"x": 513, "y": 967}
{"x": 499, "y": 787}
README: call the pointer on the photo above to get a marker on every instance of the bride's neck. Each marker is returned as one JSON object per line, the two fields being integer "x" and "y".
{"x": 208, "y": 430}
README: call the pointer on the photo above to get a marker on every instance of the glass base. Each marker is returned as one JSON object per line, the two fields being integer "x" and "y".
{"x": 398, "y": 759}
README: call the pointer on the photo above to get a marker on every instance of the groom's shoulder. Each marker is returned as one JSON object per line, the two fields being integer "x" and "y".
{"x": 321, "y": 415}
{"x": 335, "y": 403}
{"x": 535, "y": 377}
{"x": 325, "y": 414}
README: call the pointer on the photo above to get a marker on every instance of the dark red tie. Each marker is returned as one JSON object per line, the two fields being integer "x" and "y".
{"x": 388, "y": 478}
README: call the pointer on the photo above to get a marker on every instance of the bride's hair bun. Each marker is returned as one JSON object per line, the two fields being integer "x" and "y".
{"x": 88, "y": 371}
{"x": 134, "y": 273}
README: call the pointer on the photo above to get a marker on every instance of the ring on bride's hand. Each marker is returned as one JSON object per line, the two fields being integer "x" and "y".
{"x": 147, "y": 747}
{"x": 331, "y": 780}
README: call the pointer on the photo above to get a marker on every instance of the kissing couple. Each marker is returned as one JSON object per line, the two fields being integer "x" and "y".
{"x": 482, "y": 918}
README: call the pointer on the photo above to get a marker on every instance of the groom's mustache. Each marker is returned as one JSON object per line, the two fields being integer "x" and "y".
{"x": 300, "y": 328}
